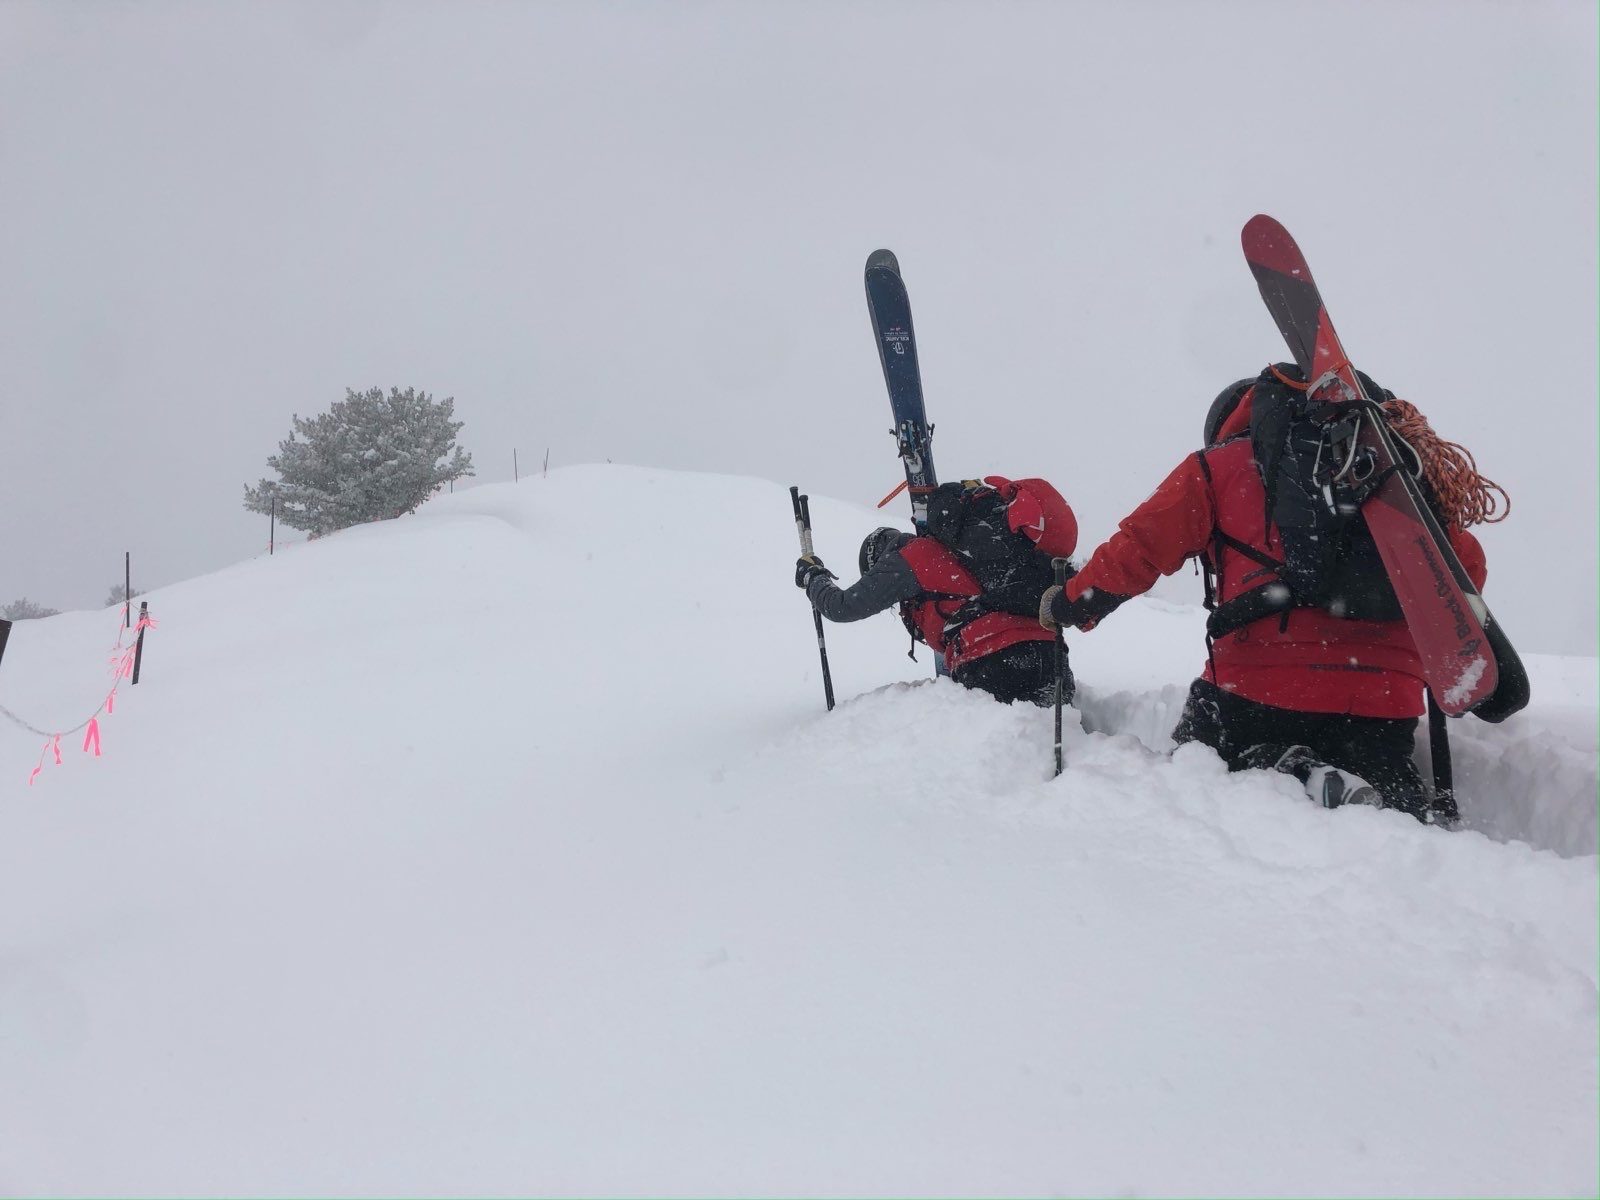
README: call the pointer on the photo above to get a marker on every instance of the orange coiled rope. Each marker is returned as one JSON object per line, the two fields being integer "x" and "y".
{"x": 1465, "y": 496}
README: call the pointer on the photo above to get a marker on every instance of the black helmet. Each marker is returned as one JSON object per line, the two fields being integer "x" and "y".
{"x": 1222, "y": 408}
{"x": 878, "y": 543}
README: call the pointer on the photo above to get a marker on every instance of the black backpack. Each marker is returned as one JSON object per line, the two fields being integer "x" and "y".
{"x": 969, "y": 518}
{"x": 1330, "y": 561}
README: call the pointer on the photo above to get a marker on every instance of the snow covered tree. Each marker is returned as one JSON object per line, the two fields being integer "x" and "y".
{"x": 368, "y": 458}
{"x": 26, "y": 610}
{"x": 118, "y": 593}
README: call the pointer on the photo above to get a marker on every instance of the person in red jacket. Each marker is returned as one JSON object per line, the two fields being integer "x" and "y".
{"x": 990, "y": 637}
{"x": 1333, "y": 699}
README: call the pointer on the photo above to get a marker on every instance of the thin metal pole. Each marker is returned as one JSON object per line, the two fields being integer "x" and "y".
{"x": 1060, "y": 566}
{"x": 272, "y": 529}
{"x": 802, "y": 524}
{"x": 1443, "y": 808}
{"x": 516, "y": 475}
{"x": 127, "y": 589}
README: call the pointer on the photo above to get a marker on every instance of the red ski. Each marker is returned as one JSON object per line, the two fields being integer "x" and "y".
{"x": 1469, "y": 664}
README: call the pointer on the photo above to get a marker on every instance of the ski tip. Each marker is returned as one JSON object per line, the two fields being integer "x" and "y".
{"x": 1261, "y": 228}
{"x": 883, "y": 260}
{"x": 1268, "y": 246}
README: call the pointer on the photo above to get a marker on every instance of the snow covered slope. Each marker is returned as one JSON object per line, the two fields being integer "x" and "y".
{"x": 507, "y": 849}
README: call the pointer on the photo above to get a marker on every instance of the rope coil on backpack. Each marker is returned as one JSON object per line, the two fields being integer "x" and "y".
{"x": 1466, "y": 496}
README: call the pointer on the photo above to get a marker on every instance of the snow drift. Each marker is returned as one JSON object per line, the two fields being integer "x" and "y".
{"x": 507, "y": 849}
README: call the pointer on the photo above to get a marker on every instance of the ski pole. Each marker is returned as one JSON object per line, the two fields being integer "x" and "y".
{"x": 802, "y": 525}
{"x": 1443, "y": 807}
{"x": 1060, "y": 566}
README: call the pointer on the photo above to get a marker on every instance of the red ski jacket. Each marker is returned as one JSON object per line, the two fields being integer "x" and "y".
{"x": 1313, "y": 662}
{"x": 948, "y": 585}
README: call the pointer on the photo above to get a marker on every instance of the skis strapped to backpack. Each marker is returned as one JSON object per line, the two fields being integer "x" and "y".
{"x": 1468, "y": 662}
{"x": 1005, "y": 533}
{"x": 890, "y": 309}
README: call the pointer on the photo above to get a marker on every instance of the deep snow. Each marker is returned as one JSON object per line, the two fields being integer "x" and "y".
{"x": 506, "y": 848}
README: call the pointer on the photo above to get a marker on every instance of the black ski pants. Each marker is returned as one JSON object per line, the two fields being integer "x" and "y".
{"x": 1022, "y": 671}
{"x": 1248, "y": 734}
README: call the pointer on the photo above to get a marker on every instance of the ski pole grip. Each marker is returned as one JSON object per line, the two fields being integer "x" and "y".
{"x": 805, "y": 526}
{"x": 1060, "y": 565}
{"x": 800, "y": 520}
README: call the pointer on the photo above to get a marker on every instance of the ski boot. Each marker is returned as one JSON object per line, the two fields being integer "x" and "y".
{"x": 1328, "y": 786}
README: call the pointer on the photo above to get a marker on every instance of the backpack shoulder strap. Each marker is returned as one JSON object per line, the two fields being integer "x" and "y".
{"x": 1249, "y": 606}
{"x": 1209, "y": 566}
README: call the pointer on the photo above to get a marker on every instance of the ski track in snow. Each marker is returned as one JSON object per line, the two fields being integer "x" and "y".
{"x": 507, "y": 849}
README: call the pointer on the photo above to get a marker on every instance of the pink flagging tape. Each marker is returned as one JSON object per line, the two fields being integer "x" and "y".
{"x": 53, "y": 746}
{"x": 120, "y": 664}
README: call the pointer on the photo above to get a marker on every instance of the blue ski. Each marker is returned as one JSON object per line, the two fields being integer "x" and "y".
{"x": 890, "y": 309}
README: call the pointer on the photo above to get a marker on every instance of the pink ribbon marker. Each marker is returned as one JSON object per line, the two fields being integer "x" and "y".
{"x": 121, "y": 663}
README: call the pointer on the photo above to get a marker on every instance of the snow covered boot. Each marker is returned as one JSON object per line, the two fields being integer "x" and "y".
{"x": 1332, "y": 787}
{"x": 1328, "y": 786}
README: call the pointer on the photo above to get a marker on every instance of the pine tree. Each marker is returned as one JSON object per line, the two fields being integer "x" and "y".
{"x": 118, "y": 594}
{"x": 368, "y": 458}
{"x": 26, "y": 610}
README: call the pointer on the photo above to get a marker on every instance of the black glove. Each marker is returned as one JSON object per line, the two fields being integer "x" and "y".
{"x": 808, "y": 568}
{"x": 1083, "y": 613}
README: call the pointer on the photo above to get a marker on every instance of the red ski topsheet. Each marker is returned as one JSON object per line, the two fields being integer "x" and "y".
{"x": 1445, "y": 617}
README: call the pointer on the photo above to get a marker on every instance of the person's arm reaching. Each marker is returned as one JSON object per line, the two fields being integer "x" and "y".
{"x": 1155, "y": 539}
{"x": 889, "y": 582}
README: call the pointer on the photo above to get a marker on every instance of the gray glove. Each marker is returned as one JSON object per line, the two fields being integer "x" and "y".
{"x": 1047, "y": 616}
{"x": 808, "y": 568}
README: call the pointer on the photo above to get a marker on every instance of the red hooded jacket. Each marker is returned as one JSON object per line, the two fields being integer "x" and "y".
{"x": 1315, "y": 662}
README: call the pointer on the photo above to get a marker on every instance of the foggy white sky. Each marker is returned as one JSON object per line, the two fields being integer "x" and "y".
{"x": 636, "y": 231}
